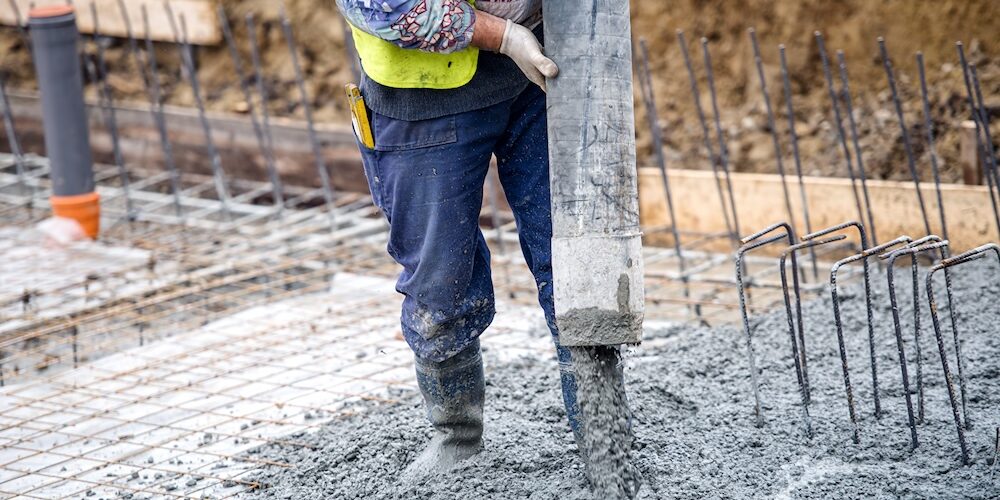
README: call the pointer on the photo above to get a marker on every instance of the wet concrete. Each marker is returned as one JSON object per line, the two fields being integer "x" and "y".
{"x": 605, "y": 443}
{"x": 690, "y": 393}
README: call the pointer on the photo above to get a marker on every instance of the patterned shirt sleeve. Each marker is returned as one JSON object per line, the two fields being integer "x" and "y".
{"x": 430, "y": 25}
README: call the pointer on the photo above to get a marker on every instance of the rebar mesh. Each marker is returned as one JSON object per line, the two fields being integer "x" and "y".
{"x": 191, "y": 339}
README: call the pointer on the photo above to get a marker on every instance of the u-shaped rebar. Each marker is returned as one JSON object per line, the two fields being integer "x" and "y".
{"x": 798, "y": 346}
{"x": 912, "y": 250}
{"x": 749, "y": 243}
{"x": 971, "y": 255}
{"x": 863, "y": 256}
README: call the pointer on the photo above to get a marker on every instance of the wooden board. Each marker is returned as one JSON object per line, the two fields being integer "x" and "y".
{"x": 233, "y": 135}
{"x": 202, "y": 23}
{"x": 760, "y": 201}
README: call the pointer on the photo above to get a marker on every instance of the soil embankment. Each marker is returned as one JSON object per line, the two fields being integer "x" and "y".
{"x": 851, "y": 25}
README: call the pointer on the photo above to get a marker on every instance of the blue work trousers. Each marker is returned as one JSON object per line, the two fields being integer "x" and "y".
{"x": 427, "y": 177}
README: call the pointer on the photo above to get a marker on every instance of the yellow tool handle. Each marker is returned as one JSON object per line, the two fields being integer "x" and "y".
{"x": 359, "y": 116}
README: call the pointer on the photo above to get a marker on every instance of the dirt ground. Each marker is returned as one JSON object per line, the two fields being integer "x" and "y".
{"x": 850, "y": 25}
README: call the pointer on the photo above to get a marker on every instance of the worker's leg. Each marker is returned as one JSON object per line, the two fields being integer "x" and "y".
{"x": 523, "y": 161}
{"x": 427, "y": 177}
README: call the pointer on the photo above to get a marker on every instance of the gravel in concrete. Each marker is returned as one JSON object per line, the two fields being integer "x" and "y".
{"x": 695, "y": 435}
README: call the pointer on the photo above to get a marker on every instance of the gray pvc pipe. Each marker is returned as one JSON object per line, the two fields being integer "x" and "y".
{"x": 596, "y": 244}
{"x": 67, "y": 139}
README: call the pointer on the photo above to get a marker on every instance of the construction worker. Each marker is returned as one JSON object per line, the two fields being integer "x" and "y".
{"x": 448, "y": 83}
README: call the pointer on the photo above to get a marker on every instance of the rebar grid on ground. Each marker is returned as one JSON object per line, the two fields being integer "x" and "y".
{"x": 199, "y": 267}
{"x": 201, "y": 370}
{"x": 259, "y": 258}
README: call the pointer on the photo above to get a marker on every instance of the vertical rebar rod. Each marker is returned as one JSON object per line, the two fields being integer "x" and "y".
{"x": 19, "y": 23}
{"x": 928, "y": 124}
{"x": 839, "y": 123}
{"x": 745, "y": 314}
{"x": 706, "y": 136}
{"x": 187, "y": 60}
{"x": 912, "y": 252}
{"x": 865, "y": 251}
{"x": 262, "y": 143}
{"x": 971, "y": 255}
{"x": 74, "y": 332}
{"x": 132, "y": 48}
{"x": 107, "y": 104}
{"x": 862, "y": 176}
{"x": 771, "y": 125}
{"x": 953, "y": 317}
{"x": 798, "y": 346}
{"x": 988, "y": 171}
{"x": 800, "y": 323}
{"x": 917, "y": 335}
{"x": 646, "y": 88}
{"x": 984, "y": 120}
{"x": 864, "y": 256}
{"x": 155, "y": 96}
{"x": 747, "y": 244}
{"x": 914, "y": 442}
{"x": 907, "y": 146}
{"x": 255, "y": 60}
{"x": 856, "y": 435}
{"x": 14, "y": 143}
{"x": 929, "y": 129}
{"x": 324, "y": 175}
{"x": 790, "y": 109}
{"x": 949, "y": 383}
{"x": 723, "y": 147}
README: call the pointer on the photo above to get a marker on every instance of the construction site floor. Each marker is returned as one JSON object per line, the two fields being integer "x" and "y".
{"x": 694, "y": 419}
{"x": 205, "y": 351}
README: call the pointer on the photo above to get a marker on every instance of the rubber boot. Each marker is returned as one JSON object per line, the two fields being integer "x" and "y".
{"x": 453, "y": 393}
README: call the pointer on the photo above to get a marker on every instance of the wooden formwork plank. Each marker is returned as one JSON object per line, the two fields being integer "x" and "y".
{"x": 761, "y": 202}
{"x": 234, "y": 138}
{"x": 202, "y": 23}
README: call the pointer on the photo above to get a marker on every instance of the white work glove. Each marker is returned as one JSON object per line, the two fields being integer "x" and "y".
{"x": 520, "y": 44}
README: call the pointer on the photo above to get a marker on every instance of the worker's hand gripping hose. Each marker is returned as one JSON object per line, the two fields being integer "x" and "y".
{"x": 520, "y": 44}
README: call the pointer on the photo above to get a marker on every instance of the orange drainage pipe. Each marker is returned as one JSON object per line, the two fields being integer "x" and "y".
{"x": 54, "y": 38}
{"x": 85, "y": 209}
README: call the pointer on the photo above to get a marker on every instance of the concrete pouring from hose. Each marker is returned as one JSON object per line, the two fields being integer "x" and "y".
{"x": 597, "y": 244}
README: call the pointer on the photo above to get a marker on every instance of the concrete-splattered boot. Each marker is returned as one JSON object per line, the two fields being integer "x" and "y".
{"x": 453, "y": 393}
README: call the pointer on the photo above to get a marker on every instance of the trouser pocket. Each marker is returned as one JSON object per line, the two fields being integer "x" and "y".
{"x": 402, "y": 135}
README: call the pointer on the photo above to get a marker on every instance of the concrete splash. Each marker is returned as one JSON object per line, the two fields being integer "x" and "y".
{"x": 692, "y": 414}
{"x": 606, "y": 439}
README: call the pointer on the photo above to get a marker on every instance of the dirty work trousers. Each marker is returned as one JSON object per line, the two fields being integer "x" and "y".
{"x": 427, "y": 177}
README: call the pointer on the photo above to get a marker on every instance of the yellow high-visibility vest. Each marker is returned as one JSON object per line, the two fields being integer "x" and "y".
{"x": 396, "y": 67}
